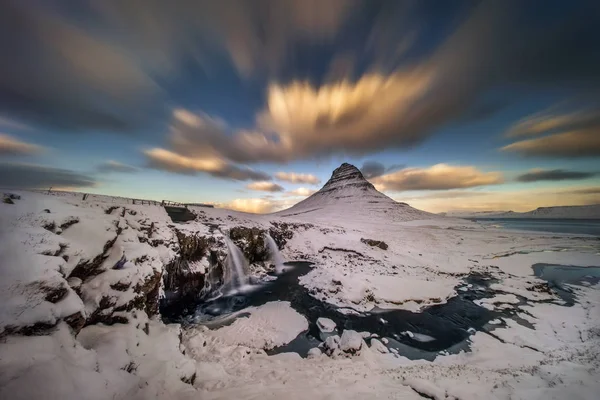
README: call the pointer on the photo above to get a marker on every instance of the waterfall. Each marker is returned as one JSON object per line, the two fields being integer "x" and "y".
{"x": 275, "y": 254}
{"x": 236, "y": 263}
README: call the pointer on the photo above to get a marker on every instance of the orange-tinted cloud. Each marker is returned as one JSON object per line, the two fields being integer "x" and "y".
{"x": 583, "y": 143}
{"x": 300, "y": 192}
{"x": 518, "y": 200}
{"x": 169, "y": 161}
{"x": 437, "y": 177}
{"x": 293, "y": 177}
{"x": 12, "y": 146}
{"x": 548, "y": 122}
{"x": 265, "y": 186}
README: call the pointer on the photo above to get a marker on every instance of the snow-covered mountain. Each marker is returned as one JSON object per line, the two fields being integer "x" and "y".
{"x": 347, "y": 194}
{"x": 559, "y": 212}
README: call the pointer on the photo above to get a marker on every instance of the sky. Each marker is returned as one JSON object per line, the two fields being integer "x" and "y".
{"x": 251, "y": 104}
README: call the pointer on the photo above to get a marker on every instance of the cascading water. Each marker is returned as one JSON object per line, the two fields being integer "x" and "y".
{"x": 275, "y": 254}
{"x": 236, "y": 263}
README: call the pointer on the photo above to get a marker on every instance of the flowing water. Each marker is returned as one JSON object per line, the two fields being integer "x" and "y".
{"x": 275, "y": 254}
{"x": 236, "y": 265}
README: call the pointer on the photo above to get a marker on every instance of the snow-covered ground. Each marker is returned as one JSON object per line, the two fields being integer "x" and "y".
{"x": 72, "y": 326}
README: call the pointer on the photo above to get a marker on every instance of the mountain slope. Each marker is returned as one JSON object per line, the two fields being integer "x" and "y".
{"x": 347, "y": 194}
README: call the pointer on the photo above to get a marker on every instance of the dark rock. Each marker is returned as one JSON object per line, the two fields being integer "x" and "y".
{"x": 375, "y": 243}
{"x": 90, "y": 268}
{"x": 120, "y": 286}
{"x": 252, "y": 243}
{"x": 8, "y": 200}
{"x": 55, "y": 294}
{"x": 76, "y": 322}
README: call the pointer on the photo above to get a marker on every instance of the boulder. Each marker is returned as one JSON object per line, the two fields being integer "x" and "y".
{"x": 325, "y": 325}
{"x": 351, "y": 341}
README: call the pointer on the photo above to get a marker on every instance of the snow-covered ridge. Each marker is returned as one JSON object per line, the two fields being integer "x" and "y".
{"x": 558, "y": 212}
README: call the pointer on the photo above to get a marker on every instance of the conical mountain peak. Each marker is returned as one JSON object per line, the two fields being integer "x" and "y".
{"x": 348, "y": 194}
{"x": 346, "y": 175}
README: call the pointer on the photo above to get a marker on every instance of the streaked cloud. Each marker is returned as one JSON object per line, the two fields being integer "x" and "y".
{"x": 300, "y": 192}
{"x": 169, "y": 161}
{"x": 293, "y": 177}
{"x": 57, "y": 73}
{"x": 12, "y": 146}
{"x": 553, "y": 175}
{"x": 584, "y": 143}
{"x": 265, "y": 186}
{"x": 115, "y": 166}
{"x": 31, "y": 176}
{"x": 551, "y": 122}
{"x": 436, "y": 177}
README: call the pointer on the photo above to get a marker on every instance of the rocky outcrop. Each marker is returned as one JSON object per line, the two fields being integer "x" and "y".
{"x": 252, "y": 243}
{"x": 197, "y": 269}
{"x": 375, "y": 243}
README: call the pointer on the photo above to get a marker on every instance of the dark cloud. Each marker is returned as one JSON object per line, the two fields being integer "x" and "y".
{"x": 59, "y": 74}
{"x": 372, "y": 169}
{"x": 594, "y": 190}
{"x": 554, "y": 175}
{"x": 28, "y": 176}
{"x": 110, "y": 65}
{"x": 115, "y": 166}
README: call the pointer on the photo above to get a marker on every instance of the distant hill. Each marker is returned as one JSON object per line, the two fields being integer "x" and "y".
{"x": 559, "y": 212}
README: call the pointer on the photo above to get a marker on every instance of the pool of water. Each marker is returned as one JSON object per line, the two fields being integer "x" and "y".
{"x": 443, "y": 327}
{"x": 561, "y": 277}
{"x": 573, "y": 226}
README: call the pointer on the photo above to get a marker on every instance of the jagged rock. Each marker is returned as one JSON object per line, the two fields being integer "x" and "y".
{"x": 76, "y": 322}
{"x": 325, "y": 325}
{"x": 375, "y": 243}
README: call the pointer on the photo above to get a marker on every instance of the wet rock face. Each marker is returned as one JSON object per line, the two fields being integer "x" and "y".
{"x": 200, "y": 262}
{"x": 252, "y": 243}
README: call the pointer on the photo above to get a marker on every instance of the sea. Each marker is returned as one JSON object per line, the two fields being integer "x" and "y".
{"x": 573, "y": 226}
